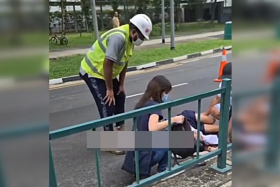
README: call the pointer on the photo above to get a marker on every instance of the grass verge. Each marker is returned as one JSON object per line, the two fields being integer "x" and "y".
{"x": 68, "y": 66}
{"x": 87, "y": 39}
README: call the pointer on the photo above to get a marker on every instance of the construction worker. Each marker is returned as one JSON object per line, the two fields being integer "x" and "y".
{"x": 106, "y": 60}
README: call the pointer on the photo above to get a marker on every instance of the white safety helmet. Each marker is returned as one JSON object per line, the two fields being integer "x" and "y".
{"x": 143, "y": 23}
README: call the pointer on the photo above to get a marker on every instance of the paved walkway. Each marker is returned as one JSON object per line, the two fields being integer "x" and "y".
{"x": 203, "y": 176}
{"x": 71, "y": 52}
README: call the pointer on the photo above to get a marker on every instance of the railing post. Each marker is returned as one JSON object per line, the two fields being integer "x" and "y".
{"x": 169, "y": 129}
{"x": 52, "y": 177}
{"x": 2, "y": 176}
{"x": 272, "y": 151}
{"x": 198, "y": 129}
{"x": 97, "y": 160}
{"x": 136, "y": 154}
{"x": 223, "y": 130}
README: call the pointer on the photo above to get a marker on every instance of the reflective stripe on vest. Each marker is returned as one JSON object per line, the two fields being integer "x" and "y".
{"x": 91, "y": 66}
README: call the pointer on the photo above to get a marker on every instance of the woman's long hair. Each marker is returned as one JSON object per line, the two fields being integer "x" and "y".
{"x": 156, "y": 87}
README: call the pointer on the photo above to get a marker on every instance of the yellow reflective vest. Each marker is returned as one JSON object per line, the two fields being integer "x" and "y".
{"x": 94, "y": 60}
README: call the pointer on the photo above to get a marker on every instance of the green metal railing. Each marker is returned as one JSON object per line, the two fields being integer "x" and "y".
{"x": 221, "y": 152}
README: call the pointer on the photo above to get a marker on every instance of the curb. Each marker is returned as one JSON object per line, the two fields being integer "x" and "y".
{"x": 146, "y": 66}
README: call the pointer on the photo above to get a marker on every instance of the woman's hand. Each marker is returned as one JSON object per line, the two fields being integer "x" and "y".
{"x": 178, "y": 119}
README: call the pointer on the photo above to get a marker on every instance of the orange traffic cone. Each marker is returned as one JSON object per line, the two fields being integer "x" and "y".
{"x": 273, "y": 66}
{"x": 222, "y": 65}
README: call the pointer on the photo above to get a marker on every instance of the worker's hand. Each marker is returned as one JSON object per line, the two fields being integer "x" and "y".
{"x": 121, "y": 89}
{"x": 109, "y": 98}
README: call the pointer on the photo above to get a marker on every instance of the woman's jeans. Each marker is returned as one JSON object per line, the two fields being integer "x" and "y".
{"x": 160, "y": 158}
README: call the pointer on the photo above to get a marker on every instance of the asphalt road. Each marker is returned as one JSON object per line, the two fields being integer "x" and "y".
{"x": 75, "y": 166}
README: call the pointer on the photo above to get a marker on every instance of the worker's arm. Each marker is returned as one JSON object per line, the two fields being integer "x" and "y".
{"x": 115, "y": 45}
{"x": 108, "y": 72}
{"x": 122, "y": 75}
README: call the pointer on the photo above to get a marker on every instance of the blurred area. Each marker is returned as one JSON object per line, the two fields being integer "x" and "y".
{"x": 256, "y": 25}
{"x": 256, "y": 123}
{"x": 24, "y": 94}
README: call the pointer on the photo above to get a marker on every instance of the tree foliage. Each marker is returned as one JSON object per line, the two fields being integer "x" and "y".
{"x": 115, "y": 5}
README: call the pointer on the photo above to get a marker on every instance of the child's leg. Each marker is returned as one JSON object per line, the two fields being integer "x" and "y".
{"x": 205, "y": 119}
{"x": 230, "y": 131}
{"x": 215, "y": 112}
{"x": 211, "y": 128}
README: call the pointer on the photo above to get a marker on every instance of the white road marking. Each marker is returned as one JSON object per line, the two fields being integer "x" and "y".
{"x": 177, "y": 85}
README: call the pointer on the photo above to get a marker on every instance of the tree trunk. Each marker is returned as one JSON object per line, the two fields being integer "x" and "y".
{"x": 62, "y": 15}
{"x": 213, "y": 10}
{"x": 75, "y": 19}
{"x": 86, "y": 22}
{"x": 101, "y": 15}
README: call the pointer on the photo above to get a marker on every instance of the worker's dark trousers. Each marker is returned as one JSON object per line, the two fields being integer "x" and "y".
{"x": 98, "y": 90}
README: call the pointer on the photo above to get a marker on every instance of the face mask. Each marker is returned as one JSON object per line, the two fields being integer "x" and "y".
{"x": 138, "y": 42}
{"x": 165, "y": 98}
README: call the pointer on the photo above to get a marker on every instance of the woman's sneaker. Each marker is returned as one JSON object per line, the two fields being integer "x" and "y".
{"x": 117, "y": 152}
{"x": 177, "y": 156}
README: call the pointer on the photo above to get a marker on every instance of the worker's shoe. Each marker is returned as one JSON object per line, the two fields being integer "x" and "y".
{"x": 121, "y": 128}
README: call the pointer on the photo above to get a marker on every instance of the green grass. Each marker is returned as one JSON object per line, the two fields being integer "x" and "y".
{"x": 256, "y": 44}
{"x": 23, "y": 39}
{"x": 68, "y": 66}
{"x": 87, "y": 39}
{"x": 29, "y": 66}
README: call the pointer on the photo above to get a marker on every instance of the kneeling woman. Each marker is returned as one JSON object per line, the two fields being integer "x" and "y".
{"x": 157, "y": 92}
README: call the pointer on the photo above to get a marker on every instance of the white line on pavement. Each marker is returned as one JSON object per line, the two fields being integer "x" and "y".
{"x": 177, "y": 85}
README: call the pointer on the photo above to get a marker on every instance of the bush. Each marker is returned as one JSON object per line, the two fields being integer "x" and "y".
{"x": 157, "y": 29}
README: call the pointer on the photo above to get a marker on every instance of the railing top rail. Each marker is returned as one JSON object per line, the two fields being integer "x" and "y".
{"x": 128, "y": 115}
{"x": 23, "y": 131}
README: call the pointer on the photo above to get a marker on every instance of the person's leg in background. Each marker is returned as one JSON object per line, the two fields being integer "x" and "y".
{"x": 209, "y": 129}
{"x": 120, "y": 104}
{"x": 215, "y": 111}
{"x": 207, "y": 125}
{"x": 230, "y": 131}
{"x": 205, "y": 119}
